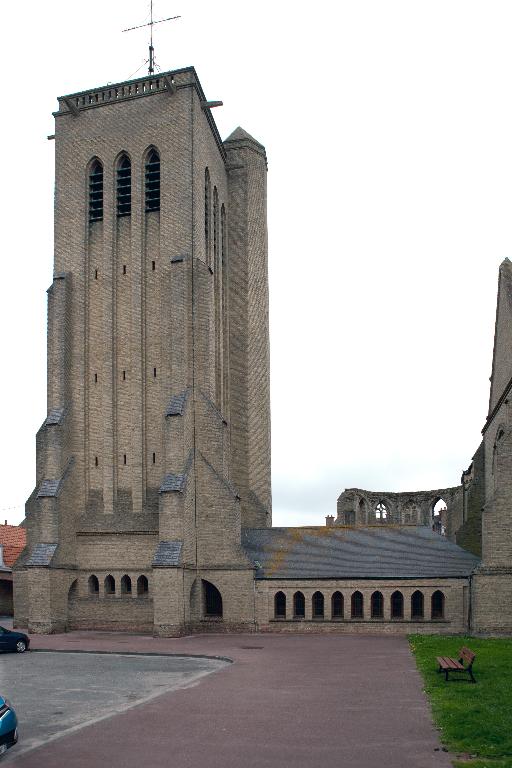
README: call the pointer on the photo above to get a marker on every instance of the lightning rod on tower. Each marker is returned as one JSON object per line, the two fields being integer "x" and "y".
{"x": 151, "y": 24}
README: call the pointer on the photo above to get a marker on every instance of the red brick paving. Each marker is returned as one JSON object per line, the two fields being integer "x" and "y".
{"x": 301, "y": 701}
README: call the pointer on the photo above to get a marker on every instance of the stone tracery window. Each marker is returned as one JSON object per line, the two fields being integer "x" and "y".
{"x": 381, "y": 511}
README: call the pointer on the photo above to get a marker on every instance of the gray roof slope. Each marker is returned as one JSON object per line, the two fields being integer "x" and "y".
{"x": 381, "y": 552}
{"x": 41, "y": 555}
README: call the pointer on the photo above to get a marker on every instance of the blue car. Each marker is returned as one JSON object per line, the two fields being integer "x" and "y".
{"x": 13, "y": 641}
{"x": 8, "y": 726}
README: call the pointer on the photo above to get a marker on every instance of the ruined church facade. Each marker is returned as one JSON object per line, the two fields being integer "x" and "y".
{"x": 151, "y": 510}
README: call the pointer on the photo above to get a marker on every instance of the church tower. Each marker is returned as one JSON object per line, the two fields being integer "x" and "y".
{"x": 492, "y": 582}
{"x": 155, "y": 451}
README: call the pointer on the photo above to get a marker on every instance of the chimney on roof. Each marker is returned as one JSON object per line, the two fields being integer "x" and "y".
{"x": 329, "y": 520}
{"x": 5, "y": 522}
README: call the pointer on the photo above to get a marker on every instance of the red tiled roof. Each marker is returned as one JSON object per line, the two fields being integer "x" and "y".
{"x": 13, "y": 540}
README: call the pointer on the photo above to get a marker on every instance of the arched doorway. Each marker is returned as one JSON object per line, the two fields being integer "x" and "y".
{"x": 212, "y": 600}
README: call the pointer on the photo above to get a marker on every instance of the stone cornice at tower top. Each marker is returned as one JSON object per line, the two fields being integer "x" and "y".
{"x": 164, "y": 83}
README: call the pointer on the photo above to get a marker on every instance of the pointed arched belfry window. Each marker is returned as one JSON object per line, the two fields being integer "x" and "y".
{"x": 207, "y": 216}
{"x": 124, "y": 186}
{"x": 96, "y": 192}
{"x": 152, "y": 181}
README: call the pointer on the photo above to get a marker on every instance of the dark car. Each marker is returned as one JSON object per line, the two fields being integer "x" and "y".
{"x": 8, "y": 725}
{"x": 13, "y": 641}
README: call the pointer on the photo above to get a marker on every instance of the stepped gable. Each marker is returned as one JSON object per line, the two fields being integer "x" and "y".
{"x": 373, "y": 552}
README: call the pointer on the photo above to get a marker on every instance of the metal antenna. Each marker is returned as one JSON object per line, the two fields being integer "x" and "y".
{"x": 151, "y": 24}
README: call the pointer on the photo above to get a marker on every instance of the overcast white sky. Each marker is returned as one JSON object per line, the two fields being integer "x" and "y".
{"x": 388, "y": 128}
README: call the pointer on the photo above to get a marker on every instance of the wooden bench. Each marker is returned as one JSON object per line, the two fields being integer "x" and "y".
{"x": 464, "y": 664}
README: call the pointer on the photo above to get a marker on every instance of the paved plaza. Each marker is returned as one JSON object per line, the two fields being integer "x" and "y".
{"x": 302, "y": 700}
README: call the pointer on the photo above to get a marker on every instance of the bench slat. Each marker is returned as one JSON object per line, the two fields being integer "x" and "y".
{"x": 445, "y": 661}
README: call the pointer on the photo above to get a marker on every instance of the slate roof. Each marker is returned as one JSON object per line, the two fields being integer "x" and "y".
{"x": 176, "y": 482}
{"x": 55, "y": 416}
{"x": 380, "y": 552}
{"x": 167, "y": 554}
{"x": 173, "y": 483}
{"x": 13, "y": 539}
{"x": 240, "y": 134}
{"x": 41, "y": 555}
{"x": 177, "y": 404}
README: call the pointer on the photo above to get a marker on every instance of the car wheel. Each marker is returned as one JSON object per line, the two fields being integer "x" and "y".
{"x": 21, "y": 646}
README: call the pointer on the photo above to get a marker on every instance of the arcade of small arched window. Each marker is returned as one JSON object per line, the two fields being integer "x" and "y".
{"x": 356, "y": 605}
{"x": 377, "y": 605}
{"x": 299, "y": 606}
{"x": 417, "y": 605}
{"x": 437, "y": 605}
{"x": 126, "y": 585}
{"x": 110, "y": 585}
{"x": 337, "y": 605}
{"x": 397, "y": 605}
{"x": 280, "y": 605}
{"x": 142, "y": 586}
{"x": 93, "y": 585}
{"x": 381, "y": 512}
{"x": 437, "y": 516}
{"x": 317, "y": 605}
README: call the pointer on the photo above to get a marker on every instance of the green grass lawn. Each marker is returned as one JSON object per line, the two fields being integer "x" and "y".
{"x": 473, "y": 719}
